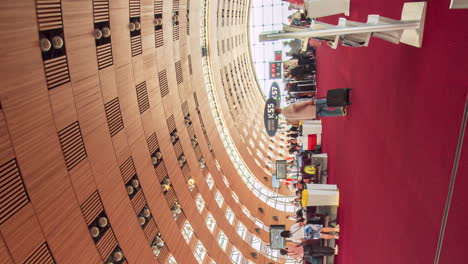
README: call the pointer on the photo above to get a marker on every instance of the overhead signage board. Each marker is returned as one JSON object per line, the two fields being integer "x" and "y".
{"x": 276, "y": 240}
{"x": 281, "y": 169}
{"x": 278, "y": 55}
{"x": 270, "y": 118}
{"x": 275, "y": 70}
{"x": 275, "y": 92}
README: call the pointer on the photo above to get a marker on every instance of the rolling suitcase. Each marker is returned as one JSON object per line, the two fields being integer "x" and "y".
{"x": 338, "y": 97}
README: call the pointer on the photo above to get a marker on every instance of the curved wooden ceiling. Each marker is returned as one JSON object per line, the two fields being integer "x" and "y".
{"x": 79, "y": 124}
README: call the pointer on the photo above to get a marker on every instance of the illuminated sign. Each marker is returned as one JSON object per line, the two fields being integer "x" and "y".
{"x": 275, "y": 70}
{"x": 275, "y": 92}
{"x": 278, "y": 55}
{"x": 270, "y": 118}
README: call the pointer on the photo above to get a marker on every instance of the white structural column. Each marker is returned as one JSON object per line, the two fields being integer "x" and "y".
{"x": 408, "y": 30}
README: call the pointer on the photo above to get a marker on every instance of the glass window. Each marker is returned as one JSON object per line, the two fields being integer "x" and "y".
{"x": 225, "y": 181}
{"x": 235, "y": 197}
{"x": 219, "y": 199}
{"x": 200, "y": 252}
{"x": 210, "y": 222}
{"x": 222, "y": 240}
{"x": 187, "y": 231}
{"x": 171, "y": 260}
{"x": 209, "y": 181}
{"x": 230, "y": 215}
{"x": 256, "y": 243}
{"x": 200, "y": 203}
{"x": 241, "y": 230}
{"x": 236, "y": 257}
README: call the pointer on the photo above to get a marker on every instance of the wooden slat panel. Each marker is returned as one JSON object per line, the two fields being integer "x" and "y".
{"x": 135, "y": 42}
{"x": 170, "y": 197}
{"x": 114, "y": 116}
{"x": 127, "y": 169}
{"x": 56, "y": 71}
{"x": 171, "y": 123}
{"x": 134, "y": 8}
{"x": 101, "y": 10}
{"x": 91, "y": 208}
{"x": 13, "y": 194}
{"x": 158, "y": 6}
{"x": 151, "y": 230}
{"x": 178, "y": 149}
{"x": 104, "y": 56}
{"x": 164, "y": 254}
{"x": 72, "y": 145}
{"x": 179, "y": 74}
{"x": 161, "y": 171}
{"x": 106, "y": 244}
{"x": 159, "y": 38}
{"x": 49, "y": 14}
{"x": 190, "y": 62}
{"x": 181, "y": 220}
{"x": 41, "y": 255}
{"x": 186, "y": 171}
{"x": 163, "y": 85}
{"x": 153, "y": 144}
{"x": 142, "y": 97}
{"x": 175, "y": 31}
{"x": 138, "y": 201}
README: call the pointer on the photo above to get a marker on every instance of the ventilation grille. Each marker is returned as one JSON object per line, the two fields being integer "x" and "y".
{"x": 101, "y": 10}
{"x": 13, "y": 194}
{"x": 127, "y": 169}
{"x": 104, "y": 56}
{"x": 171, "y": 197}
{"x": 72, "y": 145}
{"x": 181, "y": 220}
{"x": 178, "y": 149}
{"x": 136, "y": 45}
{"x": 106, "y": 244}
{"x": 186, "y": 172}
{"x": 164, "y": 255}
{"x": 188, "y": 17}
{"x": 175, "y": 29}
{"x": 158, "y": 7}
{"x": 91, "y": 208}
{"x": 185, "y": 109}
{"x": 198, "y": 153}
{"x": 179, "y": 74}
{"x": 163, "y": 86}
{"x": 49, "y": 14}
{"x": 114, "y": 116}
{"x": 171, "y": 123}
{"x": 190, "y": 64}
{"x": 56, "y": 71}
{"x": 159, "y": 38}
{"x": 41, "y": 255}
{"x": 142, "y": 96}
{"x": 138, "y": 201}
{"x": 153, "y": 144}
{"x": 161, "y": 171}
{"x": 151, "y": 230}
{"x": 134, "y": 8}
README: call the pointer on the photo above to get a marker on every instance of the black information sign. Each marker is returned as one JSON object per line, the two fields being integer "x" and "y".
{"x": 281, "y": 169}
{"x": 276, "y": 240}
{"x": 275, "y": 92}
{"x": 270, "y": 117}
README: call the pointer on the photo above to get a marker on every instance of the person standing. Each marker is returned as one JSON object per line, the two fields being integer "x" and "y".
{"x": 310, "y": 109}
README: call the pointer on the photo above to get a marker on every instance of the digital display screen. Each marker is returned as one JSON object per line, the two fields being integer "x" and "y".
{"x": 281, "y": 169}
{"x": 276, "y": 241}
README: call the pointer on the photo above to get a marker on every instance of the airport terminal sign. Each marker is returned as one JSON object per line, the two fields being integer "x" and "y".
{"x": 270, "y": 118}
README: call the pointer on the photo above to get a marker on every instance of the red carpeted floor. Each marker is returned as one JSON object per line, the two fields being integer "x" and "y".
{"x": 392, "y": 155}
